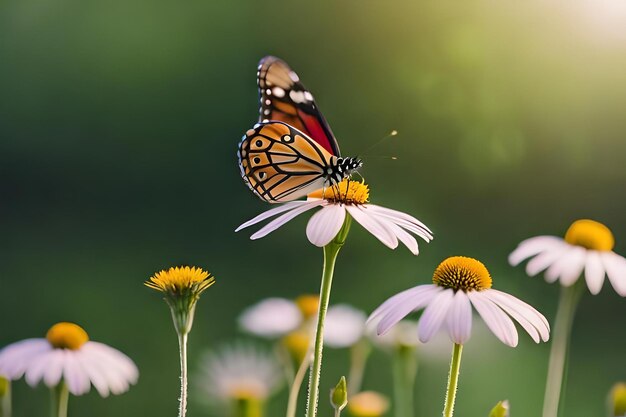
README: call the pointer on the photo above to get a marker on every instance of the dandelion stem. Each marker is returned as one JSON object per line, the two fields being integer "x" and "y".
{"x": 182, "y": 344}
{"x": 330, "y": 256}
{"x": 559, "y": 351}
{"x": 404, "y": 370}
{"x": 296, "y": 384}
{"x": 453, "y": 380}
{"x": 60, "y": 398}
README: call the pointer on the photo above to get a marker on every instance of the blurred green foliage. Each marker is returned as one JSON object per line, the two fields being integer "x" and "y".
{"x": 119, "y": 123}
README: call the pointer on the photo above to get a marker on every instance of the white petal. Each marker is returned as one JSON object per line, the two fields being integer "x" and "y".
{"x": 373, "y": 226}
{"x": 74, "y": 375}
{"x": 545, "y": 259}
{"x": 401, "y": 221}
{"x": 497, "y": 321}
{"x": 434, "y": 315}
{"x": 594, "y": 272}
{"x": 325, "y": 224}
{"x": 37, "y": 367}
{"x": 404, "y": 237}
{"x": 276, "y": 223}
{"x": 399, "y": 298}
{"x": 530, "y": 319}
{"x": 616, "y": 270}
{"x": 271, "y": 317}
{"x": 15, "y": 358}
{"x": 117, "y": 369}
{"x": 420, "y": 297}
{"x": 533, "y": 246}
{"x": 400, "y": 215}
{"x": 574, "y": 265}
{"x": 271, "y": 213}
{"x": 460, "y": 318}
{"x": 54, "y": 368}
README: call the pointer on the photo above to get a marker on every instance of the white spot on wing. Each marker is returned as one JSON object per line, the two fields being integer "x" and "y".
{"x": 268, "y": 102}
{"x": 268, "y": 92}
{"x": 297, "y": 96}
{"x": 308, "y": 96}
{"x": 278, "y": 92}
{"x": 294, "y": 77}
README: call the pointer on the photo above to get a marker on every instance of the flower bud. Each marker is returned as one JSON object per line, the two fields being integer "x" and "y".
{"x": 339, "y": 395}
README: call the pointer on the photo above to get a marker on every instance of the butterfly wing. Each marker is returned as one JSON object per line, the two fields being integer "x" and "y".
{"x": 280, "y": 163}
{"x": 285, "y": 99}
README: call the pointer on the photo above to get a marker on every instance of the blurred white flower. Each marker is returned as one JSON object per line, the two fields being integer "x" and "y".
{"x": 239, "y": 371}
{"x": 588, "y": 245}
{"x": 344, "y": 326}
{"x": 271, "y": 318}
{"x": 404, "y": 333}
{"x": 458, "y": 284}
{"x": 66, "y": 355}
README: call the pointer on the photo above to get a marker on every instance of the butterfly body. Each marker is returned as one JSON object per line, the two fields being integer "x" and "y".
{"x": 280, "y": 163}
{"x": 291, "y": 152}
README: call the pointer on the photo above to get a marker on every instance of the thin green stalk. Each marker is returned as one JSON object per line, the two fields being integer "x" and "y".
{"x": 292, "y": 403}
{"x": 359, "y": 353}
{"x": 453, "y": 380}
{"x": 404, "y": 371}
{"x": 330, "y": 256}
{"x": 60, "y": 396}
{"x": 559, "y": 351}
{"x": 182, "y": 345}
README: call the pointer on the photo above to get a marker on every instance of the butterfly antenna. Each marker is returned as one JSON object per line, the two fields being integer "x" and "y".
{"x": 384, "y": 138}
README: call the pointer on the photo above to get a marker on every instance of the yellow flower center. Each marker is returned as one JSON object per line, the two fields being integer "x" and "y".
{"x": 590, "y": 235}
{"x": 297, "y": 343}
{"x": 181, "y": 279}
{"x": 368, "y": 404}
{"x": 462, "y": 273}
{"x": 67, "y": 336}
{"x": 308, "y": 305}
{"x": 346, "y": 192}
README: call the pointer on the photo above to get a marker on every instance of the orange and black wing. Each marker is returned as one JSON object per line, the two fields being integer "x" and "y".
{"x": 285, "y": 99}
{"x": 280, "y": 163}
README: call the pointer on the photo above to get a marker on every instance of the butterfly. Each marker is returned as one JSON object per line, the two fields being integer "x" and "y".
{"x": 291, "y": 152}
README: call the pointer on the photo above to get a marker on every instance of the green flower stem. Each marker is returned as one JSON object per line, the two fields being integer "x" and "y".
{"x": 296, "y": 384}
{"x": 559, "y": 351}
{"x": 60, "y": 396}
{"x": 330, "y": 256}
{"x": 182, "y": 344}
{"x": 359, "y": 353}
{"x": 453, "y": 380}
{"x": 404, "y": 371}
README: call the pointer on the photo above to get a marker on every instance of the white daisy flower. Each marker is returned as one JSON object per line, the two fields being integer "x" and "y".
{"x": 458, "y": 284}
{"x": 344, "y": 326}
{"x": 67, "y": 355}
{"x": 348, "y": 197}
{"x": 275, "y": 317}
{"x": 239, "y": 372}
{"x": 587, "y": 246}
{"x": 270, "y": 318}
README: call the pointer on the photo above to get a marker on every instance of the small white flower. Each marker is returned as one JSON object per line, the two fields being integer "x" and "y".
{"x": 587, "y": 247}
{"x": 458, "y": 284}
{"x": 348, "y": 197}
{"x": 344, "y": 326}
{"x": 67, "y": 355}
{"x": 239, "y": 371}
{"x": 271, "y": 318}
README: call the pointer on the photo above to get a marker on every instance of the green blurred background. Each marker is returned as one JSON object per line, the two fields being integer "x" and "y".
{"x": 119, "y": 123}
